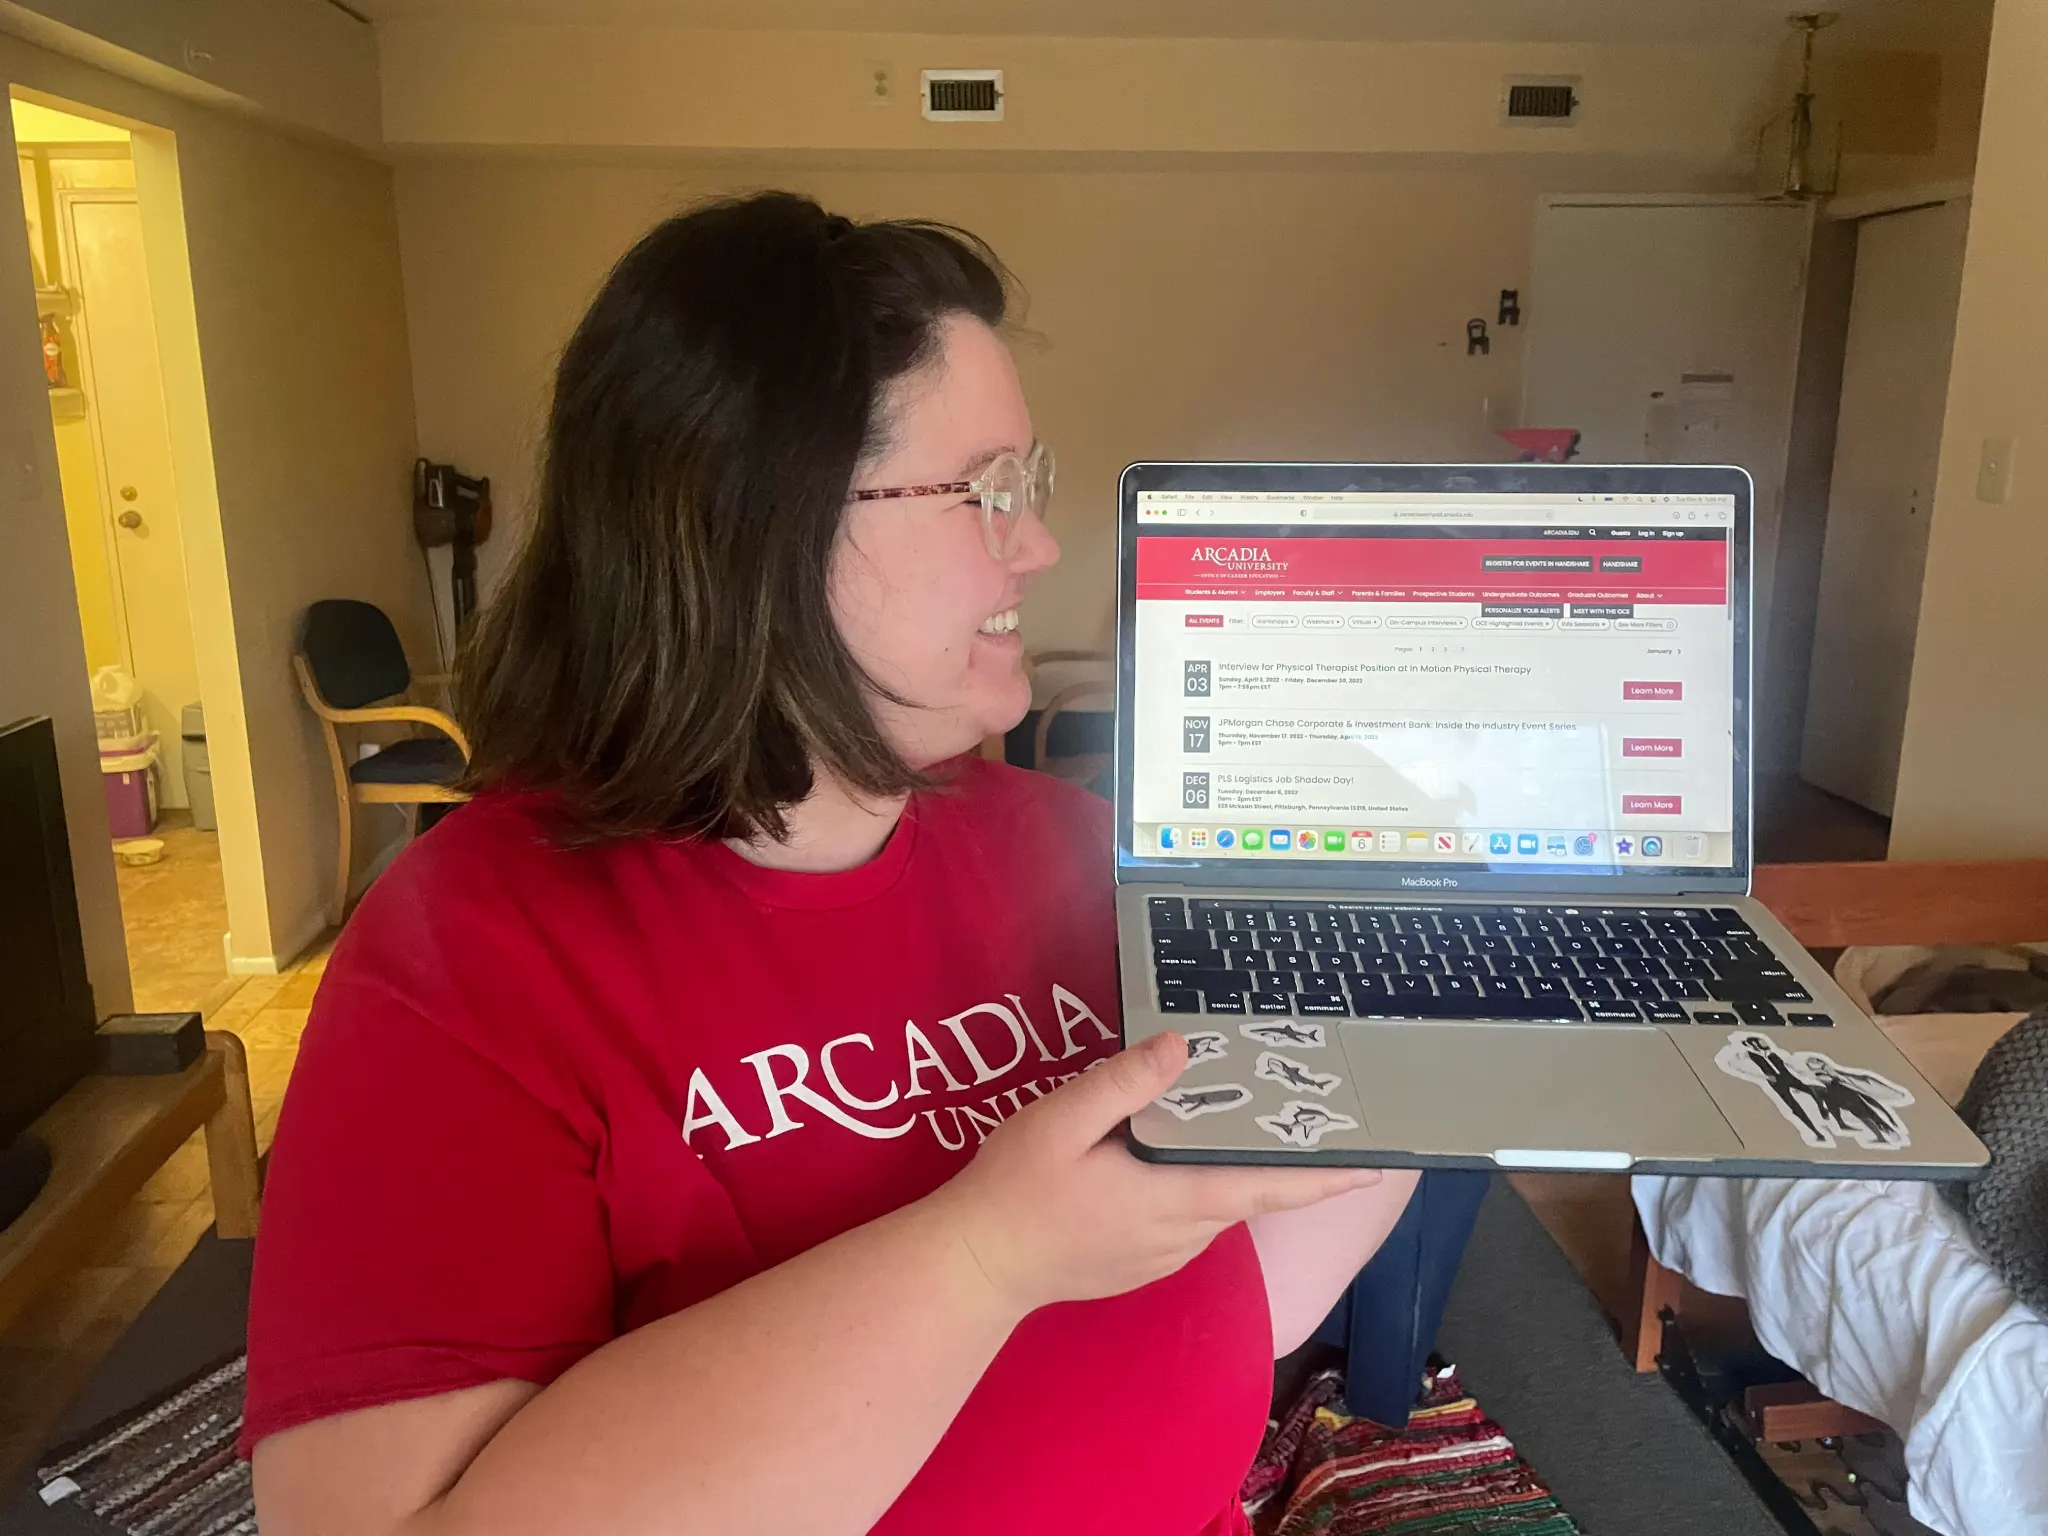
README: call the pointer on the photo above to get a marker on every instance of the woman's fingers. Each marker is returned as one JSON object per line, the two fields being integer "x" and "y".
{"x": 1106, "y": 1095}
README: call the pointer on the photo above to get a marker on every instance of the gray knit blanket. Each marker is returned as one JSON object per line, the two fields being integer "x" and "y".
{"x": 2007, "y": 1106}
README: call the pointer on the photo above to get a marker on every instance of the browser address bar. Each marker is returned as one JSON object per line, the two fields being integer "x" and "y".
{"x": 1552, "y": 514}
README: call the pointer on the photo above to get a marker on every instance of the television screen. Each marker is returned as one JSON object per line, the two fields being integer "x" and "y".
{"x": 47, "y": 1016}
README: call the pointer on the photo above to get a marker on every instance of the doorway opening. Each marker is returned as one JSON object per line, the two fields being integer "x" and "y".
{"x": 101, "y": 312}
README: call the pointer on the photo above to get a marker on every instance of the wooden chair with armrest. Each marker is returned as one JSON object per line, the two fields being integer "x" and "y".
{"x": 1832, "y": 907}
{"x": 353, "y": 672}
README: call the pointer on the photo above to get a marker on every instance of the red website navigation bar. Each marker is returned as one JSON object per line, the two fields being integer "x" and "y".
{"x": 1252, "y": 568}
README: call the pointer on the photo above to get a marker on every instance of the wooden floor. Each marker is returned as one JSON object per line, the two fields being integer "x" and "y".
{"x": 50, "y": 1352}
{"x": 174, "y": 916}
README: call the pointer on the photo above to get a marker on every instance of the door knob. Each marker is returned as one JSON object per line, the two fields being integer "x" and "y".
{"x": 128, "y": 493}
{"x": 130, "y": 519}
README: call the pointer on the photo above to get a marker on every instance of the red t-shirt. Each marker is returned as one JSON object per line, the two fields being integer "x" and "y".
{"x": 548, "y": 1095}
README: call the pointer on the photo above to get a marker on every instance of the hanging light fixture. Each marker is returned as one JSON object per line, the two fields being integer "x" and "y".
{"x": 1795, "y": 157}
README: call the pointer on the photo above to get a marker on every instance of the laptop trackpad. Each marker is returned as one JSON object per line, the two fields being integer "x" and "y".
{"x": 1460, "y": 1088}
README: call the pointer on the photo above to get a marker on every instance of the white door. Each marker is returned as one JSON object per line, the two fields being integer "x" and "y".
{"x": 1902, "y": 325}
{"x": 125, "y": 393}
{"x": 1669, "y": 333}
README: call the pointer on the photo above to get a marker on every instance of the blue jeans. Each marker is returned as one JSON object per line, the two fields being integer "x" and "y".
{"x": 1386, "y": 1322}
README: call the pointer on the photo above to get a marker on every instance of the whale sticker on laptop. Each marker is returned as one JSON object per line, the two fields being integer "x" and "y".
{"x": 1188, "y": 1103}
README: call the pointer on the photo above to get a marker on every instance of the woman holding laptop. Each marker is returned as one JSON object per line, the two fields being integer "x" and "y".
{"x": 714, "y": 1125}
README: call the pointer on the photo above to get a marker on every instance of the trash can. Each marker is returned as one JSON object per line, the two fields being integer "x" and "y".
{"x": 130, "y": 782}
{"x": 198, "y": 771}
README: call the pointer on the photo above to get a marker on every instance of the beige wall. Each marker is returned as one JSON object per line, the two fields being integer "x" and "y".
{"x": 1906, "y": 118}
{"x": 302, "y": 62}
{"x": 1973, "y": 778}
{"x": 1259, "y": 246}
{"x": 467, "y": 83}
{"x": 302, "y": 333}
{"x": 306, "y": 395}
{"x": 42, "y": 662}
{"x": 1270, "y": 313}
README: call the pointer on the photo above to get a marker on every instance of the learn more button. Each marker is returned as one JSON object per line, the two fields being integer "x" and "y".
{"x": 1652, "y": 746}
{"x": 1653, "y": 690}
{"x": 1652, "y": 805}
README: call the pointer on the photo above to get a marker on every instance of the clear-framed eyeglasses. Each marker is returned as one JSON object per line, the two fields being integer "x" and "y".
{"x": 1008, "y": 491}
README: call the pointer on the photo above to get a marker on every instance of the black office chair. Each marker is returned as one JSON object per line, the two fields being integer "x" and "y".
{"x": 351, "y": 668}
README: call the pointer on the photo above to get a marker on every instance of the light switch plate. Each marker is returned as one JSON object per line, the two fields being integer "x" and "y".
{"x": 1994, "y": 470}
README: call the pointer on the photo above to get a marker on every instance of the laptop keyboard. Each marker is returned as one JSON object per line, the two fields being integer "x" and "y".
{"x": 1366, "y": 960}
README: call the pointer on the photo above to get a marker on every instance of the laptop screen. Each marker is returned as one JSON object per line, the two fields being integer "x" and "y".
{"x": 1520, "y": 682}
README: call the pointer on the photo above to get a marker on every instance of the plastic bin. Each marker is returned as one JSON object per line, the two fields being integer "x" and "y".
{"x": 198, "y": 768}
{"x": 117, "y": 711}
{"x": 130, "y": 780}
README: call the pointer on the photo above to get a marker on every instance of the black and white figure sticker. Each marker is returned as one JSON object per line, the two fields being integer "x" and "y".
{"x": 1205, "y": 1045}
{"x": 1822, "y": 1099}
{"x": 1294, "y": 1076}
{"x": 1189, "y": 1103}
{"x": 1302, "y": 1124}
{"x": 1302, "y": 1034}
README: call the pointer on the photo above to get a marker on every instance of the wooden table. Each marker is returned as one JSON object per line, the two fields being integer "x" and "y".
{"x": 106, "y": 1137}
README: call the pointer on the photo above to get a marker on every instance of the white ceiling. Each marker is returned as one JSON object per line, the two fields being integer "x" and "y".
{"x": 1865, "y": 23}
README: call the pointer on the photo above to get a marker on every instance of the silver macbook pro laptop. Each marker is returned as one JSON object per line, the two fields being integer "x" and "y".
{"x": 1433, "y": 833}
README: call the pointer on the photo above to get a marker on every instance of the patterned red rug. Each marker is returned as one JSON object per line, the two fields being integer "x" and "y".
{"x": 1451, "y": 1472}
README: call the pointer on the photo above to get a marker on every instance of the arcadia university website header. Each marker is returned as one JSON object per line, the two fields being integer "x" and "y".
{"x": 1479, "y": 681}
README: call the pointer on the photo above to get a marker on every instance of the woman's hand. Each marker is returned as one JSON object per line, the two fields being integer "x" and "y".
{"x": 1054, "y": 1208}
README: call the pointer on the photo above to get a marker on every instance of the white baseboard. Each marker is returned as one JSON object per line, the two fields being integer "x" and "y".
{"x": 310, "y": 930}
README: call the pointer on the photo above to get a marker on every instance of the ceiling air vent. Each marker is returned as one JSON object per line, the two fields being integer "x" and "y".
{"x": 962, "y": 95}
{"x": 1551, "y": 102}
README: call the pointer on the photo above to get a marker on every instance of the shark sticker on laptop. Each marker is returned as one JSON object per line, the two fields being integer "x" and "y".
{"x": 1205, "y": 1045}
{"x": 1299, "y": 1033}
{"x": 1302, "y": 1124}
{"x": 1293, "y": 1075}
{"x": 1820, "y": 1098}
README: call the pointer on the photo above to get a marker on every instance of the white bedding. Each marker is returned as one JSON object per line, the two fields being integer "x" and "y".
{"x": 1876, "y": 1294}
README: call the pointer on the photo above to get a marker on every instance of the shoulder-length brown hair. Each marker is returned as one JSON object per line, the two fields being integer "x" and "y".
{"x": 662, "y": 656}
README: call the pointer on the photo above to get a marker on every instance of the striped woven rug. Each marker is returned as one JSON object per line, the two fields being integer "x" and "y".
{"x": 167, "y": 1469}
{"x": 1451, "y": 1472}
{"x": 170, "y": 1467}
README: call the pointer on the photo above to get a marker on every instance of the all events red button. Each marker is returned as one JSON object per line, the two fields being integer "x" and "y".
{"x": 1652, "y": 746}
{"x": 1652, "y": 805}
{"x": 1203, "y": 621}
{"x": 1653, "y": 690}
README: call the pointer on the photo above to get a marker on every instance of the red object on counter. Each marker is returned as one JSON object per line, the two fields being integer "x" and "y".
{"x": 1543, "y": 445}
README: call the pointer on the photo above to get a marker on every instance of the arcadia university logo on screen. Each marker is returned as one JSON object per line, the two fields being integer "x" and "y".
{"x": 1239, "y": 559}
